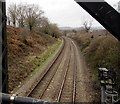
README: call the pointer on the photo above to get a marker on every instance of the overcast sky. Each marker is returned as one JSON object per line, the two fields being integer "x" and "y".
{"x": 65, "y": 13}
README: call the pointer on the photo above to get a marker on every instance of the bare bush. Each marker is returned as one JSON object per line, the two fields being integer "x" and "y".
{"x": 24, "y": 32}
{"x": 87, "y": 25}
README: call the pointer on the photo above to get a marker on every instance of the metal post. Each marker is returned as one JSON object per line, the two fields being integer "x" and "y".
{"x": 103, "y": 95}
{"x": 0, "y": 49}
{"x": 3, "y": 46}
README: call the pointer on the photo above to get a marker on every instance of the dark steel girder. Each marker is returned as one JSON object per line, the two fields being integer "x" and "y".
{"x": 104, "y": 14}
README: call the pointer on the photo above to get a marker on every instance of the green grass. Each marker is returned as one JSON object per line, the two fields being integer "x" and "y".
{"x": 40, "y": 60}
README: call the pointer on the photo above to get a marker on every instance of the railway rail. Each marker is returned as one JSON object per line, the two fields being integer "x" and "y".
{"x": 75, "y": 74}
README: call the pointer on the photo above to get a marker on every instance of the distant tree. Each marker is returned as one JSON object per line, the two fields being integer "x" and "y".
{"x": 12, "y": 14}
{"x": 54, "y": 30}
{"x": 74, "y": 31}
{"x": 44, "y": 25}
{"x": 87, "y": 25}
{"x": 48, "y": 28}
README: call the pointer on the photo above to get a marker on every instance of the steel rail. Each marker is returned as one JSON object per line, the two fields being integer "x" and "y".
{"x": 75, "y": 74}
{"x": 63, "y": 82}
{"x": 50, "y": 80}
{"x": 51, "y": 65}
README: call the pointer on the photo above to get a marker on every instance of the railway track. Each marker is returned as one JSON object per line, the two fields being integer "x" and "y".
{"x": 69, "y": 94}
{"x": 64, "y": 79}
{"x": 44, "y": 81}
{"x": 66, "y": 73}
{"x": 75, "y": 77}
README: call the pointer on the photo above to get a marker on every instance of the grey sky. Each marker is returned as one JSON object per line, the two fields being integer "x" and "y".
{"x": 63, "y": 12}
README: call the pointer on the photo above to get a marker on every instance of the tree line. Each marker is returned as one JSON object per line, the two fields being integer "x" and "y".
{"x": 32, "y": 17}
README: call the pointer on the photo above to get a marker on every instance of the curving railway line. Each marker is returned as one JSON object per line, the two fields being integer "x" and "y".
{"x": 58, "y": 82}
{"x": 64, "y": 79}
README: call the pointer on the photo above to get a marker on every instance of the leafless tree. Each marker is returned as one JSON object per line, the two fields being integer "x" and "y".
{"x": 21, "y": 11}
{"x": 12, "y": 13}
{"x": 33, "y": 16}
{"x": 87, "y": 25}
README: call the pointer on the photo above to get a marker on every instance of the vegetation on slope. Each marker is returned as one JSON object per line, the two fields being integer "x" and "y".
{"x": 39, "y": 61}
{"x": 100, "y": 51}
{"x": 26, "y": 52}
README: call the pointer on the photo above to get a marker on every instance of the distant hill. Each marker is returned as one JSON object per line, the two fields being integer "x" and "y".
{"x": 80, "y": 28}
{"x": 70, "y": 28}
{"x": 98, "y": 28}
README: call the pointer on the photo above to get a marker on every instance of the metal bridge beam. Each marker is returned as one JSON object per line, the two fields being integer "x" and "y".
{"x": 12, "y": 99}
{"x": 104, "y": 14}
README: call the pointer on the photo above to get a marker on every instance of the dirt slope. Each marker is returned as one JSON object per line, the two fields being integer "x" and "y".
{"x": 21, "y": 45}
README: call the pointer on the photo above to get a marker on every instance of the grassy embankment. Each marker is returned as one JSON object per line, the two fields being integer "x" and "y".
{"x": 39, "y": 61}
